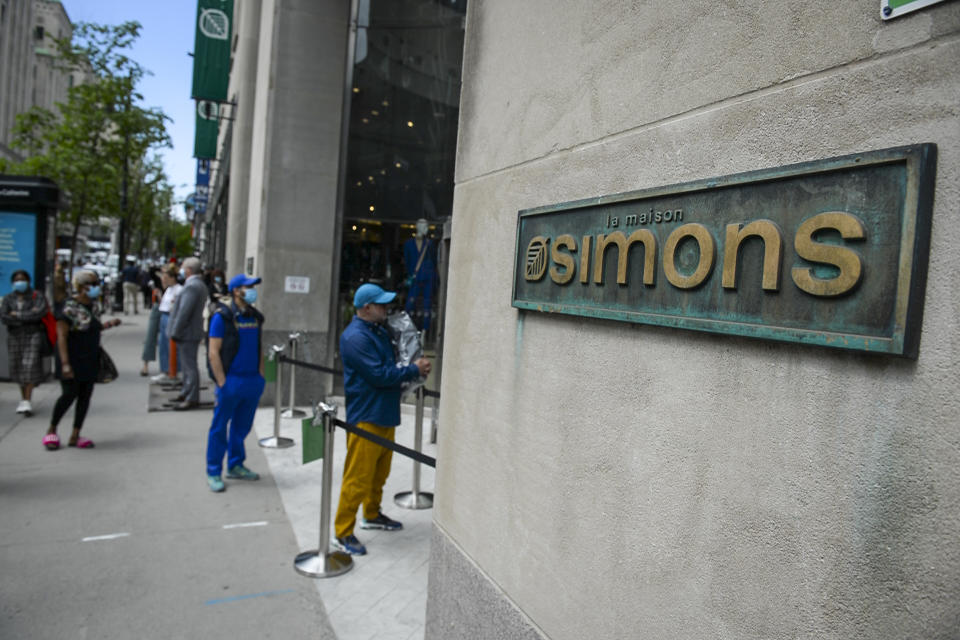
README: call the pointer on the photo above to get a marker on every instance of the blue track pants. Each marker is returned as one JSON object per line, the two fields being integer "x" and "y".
{"x": 237, "y": 403}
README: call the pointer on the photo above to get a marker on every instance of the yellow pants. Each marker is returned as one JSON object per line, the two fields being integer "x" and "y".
{"x": 364, "y": 474}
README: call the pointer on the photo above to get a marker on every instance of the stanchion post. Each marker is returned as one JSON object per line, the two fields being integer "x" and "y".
{"x": 323, "y": 563}
{"x": 434, "y": 420}
{"x": 416, "y": 499}
{"x": 275, "y": 441}
{"x": 292, "y": 411}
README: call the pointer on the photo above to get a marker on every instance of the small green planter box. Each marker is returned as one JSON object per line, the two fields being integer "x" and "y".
{"x": 313, "y": 440}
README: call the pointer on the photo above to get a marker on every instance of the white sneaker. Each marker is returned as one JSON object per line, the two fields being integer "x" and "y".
{"x": 23, "y": 407}
{"x": 160, "y": 377}
{"x": 27, "y": 407}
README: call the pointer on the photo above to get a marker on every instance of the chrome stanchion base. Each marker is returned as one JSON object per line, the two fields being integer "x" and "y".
{"x": 293, "y": 413}
{"x": 276, "y": 442}
{"x": 314, "y": 564}
{"x": 411, "y": 500}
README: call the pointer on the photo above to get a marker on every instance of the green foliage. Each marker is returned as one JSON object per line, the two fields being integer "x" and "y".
{"x": 97, "y": 145}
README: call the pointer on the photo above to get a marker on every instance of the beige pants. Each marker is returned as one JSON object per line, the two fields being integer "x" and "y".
{"x": 131, "y": 291}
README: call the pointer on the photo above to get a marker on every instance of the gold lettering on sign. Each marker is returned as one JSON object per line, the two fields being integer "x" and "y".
{"x": 769, "y": 232}
{"x": 699, "y": 233}
{"x": 623, "y": 244}
{"x": 585, "y": 260}
{"x": 846, "y": 260}
{"x": 564, "y": 260}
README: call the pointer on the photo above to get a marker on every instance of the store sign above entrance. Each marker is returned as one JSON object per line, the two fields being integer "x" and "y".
{"x": 831, "y": 253}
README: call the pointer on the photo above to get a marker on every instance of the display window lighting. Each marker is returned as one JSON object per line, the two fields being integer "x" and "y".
{"x": 409, "y": 123}
{"x": 375, "y": 112}
{"x": 354, "y": 227}
{"x": 372, "y": 208}
{"x": 356, "y": 89}
{"x": 385, "y": 103}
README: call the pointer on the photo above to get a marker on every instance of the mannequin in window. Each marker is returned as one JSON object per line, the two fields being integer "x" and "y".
{"x": 419, "y": 257}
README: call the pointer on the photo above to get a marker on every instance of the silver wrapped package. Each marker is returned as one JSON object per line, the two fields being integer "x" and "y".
{"x": 407, "y": 347}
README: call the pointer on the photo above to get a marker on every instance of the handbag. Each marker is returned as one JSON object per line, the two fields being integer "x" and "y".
{"x": 50, "y": 328}
{"x": 107, "y": 371}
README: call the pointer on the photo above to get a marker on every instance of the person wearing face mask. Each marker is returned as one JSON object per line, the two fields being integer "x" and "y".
{"x": 186, "y": 329}
{"x": 22, "y": 311}
{"x": 371, "y": 381}
{"x": 236, "y": 365}
{"x": 78, "y": 356}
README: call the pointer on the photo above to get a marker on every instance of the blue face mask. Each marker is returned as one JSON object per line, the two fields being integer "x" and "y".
{"x": 20, "y": 286}
{"x": 250, "y": 296}
{"x": 217, "y": 279}
{"x": 94, "y": 291}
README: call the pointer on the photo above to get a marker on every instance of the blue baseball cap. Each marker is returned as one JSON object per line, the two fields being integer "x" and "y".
{"x": 241, "y": 280}
{"x": 367, "y": 293}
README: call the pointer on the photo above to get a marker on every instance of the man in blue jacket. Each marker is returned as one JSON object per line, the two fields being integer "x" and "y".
{"x": 372, "y": 384}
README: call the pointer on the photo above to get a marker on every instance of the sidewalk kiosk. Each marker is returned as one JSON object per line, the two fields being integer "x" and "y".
{"x": 27, "y": 209}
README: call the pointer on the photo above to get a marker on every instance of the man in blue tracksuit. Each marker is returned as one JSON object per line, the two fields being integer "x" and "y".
{"x": 236, "y": 364}
{"x": 371, "y": 381}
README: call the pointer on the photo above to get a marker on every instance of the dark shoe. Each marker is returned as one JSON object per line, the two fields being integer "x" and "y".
{"x": 381, "y": 522}
{"x": 186, "y": 405}
{"x": 240, "y": 472}
{"x": 179, "y": 398}
{"x": 351, "y": 545}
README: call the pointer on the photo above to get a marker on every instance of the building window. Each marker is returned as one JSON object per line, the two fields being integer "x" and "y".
{"x": 402, "y": 135}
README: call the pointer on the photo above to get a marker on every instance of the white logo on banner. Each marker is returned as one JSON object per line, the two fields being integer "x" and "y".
{"x": 208, "y": 110}
{"x": 215, "y": 24}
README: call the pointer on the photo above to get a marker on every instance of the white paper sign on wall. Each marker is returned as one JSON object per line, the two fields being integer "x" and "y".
{"x": 296, "y": 284}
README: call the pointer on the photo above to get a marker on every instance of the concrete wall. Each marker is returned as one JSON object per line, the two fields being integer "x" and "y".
{"x": 243, "y": 79}
{"x": 599, "y": 479}
{"x": 16, "y": 57}
{"x": 293, "y": 172}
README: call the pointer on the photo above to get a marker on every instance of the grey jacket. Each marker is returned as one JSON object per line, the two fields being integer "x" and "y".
{"x": 186, "y": 317}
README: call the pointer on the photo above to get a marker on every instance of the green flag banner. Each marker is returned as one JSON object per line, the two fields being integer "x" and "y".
{"x": 211, "y": 50}
{"x": 208, "y": 122}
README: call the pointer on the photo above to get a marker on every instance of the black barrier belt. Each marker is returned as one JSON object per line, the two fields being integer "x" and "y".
{"x": 309, "y": 365}
{"x": 383, "y": 442}
{"x": 316, "y": 367}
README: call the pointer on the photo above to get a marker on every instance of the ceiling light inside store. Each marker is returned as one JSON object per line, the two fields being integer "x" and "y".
{"x": 372, "y": 207}
{"x": 356, "y": 89}
{"x": 385, "y": 103}
{"x": 397, "y": 165}
{"x": 375, "y": 112}
{"x": 409, "y": 123}
{"x": 365, "y": 121}
{"x": 354, "y": 227}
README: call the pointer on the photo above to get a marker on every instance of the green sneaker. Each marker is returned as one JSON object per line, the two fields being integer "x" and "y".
{"x": 216, "y": 484}
{"x": 240, "y": 472}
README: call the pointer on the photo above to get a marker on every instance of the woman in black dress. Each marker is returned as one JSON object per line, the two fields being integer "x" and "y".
{"x": 78, "y": 356}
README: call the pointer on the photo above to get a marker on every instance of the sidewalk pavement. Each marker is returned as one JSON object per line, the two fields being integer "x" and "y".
{"x": 126, "y": 541}
{"x": 384, "y": 595}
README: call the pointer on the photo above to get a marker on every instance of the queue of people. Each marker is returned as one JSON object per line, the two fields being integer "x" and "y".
{"x": 203, "y": 306}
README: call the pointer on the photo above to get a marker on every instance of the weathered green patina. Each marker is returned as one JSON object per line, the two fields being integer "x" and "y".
{"x": 832, "y": 253}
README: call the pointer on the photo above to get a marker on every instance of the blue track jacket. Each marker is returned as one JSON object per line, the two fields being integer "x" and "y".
{"x": 371, "y": 377}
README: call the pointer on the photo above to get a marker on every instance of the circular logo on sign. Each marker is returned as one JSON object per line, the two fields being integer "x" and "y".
{"x": 215, "y": 24}
{"x": 536, "y": 259}
{"x": 208, "y": 110}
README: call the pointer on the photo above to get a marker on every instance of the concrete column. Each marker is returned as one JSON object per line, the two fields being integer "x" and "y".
{"x": 294, "y": 169}
{"x": 242, "y": 85}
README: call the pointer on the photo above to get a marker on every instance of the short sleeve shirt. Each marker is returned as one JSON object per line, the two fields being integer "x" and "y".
{"x": 247, "y": 360}
{"x": 83, "y": 338}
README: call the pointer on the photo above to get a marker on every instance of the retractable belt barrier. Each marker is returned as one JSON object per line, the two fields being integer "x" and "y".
{"x": 386, "y": 444}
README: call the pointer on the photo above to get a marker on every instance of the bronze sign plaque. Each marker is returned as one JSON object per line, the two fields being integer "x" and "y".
{"x": 831, "y": 253}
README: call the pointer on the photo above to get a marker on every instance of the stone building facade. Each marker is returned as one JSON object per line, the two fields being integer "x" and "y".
{"x": 599, "y": 479}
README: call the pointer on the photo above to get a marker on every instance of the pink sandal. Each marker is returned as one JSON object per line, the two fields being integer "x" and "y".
{"x": 82, "y": 443}
{"x": 51, "y": 441}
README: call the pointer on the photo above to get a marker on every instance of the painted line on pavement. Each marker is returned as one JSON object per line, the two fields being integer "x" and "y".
{"x": 112, "y": 536}
{"x": 247, "y": 597}
{"x": 241, "y": 525}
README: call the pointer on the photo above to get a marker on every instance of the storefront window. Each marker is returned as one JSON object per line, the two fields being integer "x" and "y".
{"x": 401, "y": 148}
